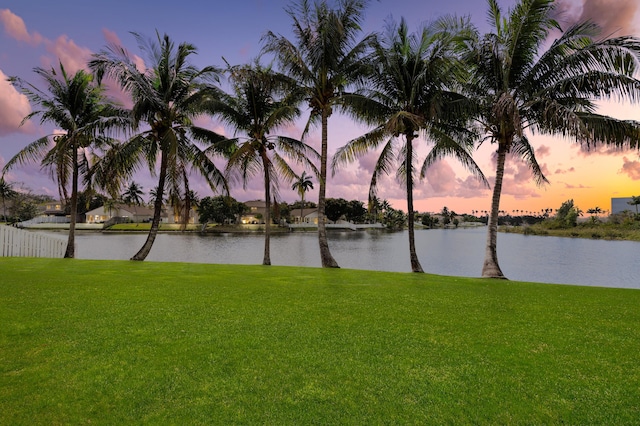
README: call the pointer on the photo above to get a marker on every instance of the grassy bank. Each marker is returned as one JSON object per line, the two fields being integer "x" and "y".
{"x": 109, "y": 342}
{"x": 604, "y": 231}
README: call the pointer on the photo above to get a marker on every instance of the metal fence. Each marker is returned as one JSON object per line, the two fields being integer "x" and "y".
{"x": 19, "y": 243}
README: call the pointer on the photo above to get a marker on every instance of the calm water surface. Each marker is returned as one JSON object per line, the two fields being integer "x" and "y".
{"x": 457, "y": 252}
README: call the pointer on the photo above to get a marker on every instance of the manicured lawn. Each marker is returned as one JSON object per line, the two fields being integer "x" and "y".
{"x": 108, "y": 342}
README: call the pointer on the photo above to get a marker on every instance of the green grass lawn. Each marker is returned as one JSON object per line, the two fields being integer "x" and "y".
{"x": 117, "y": 342}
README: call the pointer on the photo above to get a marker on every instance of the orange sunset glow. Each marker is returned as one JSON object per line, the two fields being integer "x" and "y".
{"x": 40, "y": 36}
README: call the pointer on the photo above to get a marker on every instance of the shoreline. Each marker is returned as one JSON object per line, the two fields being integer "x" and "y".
{"x": 143, "y": 228}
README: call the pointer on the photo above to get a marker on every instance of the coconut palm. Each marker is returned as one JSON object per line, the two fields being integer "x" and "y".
{"x": 182, "y": 203}
{"x": 325, "y": 59}
{"x": 407, "y": 96}
{"x": 263, "y": 101}
{"x": 76, "y": 105}
{"x": 133, "y": 195}
{"x": 109, "y": 205}
{"x": 167, "y": 97}
{"x": 635, "y": 200}
{"x": 517, "y": 87}
{"x": 302, "y": 185}
{"x": 7, "y": 193}
{"x": 596, "y": 211}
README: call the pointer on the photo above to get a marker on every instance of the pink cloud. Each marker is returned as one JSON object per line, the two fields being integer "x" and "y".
{"x": 522, "y": 173}
{"x": 615, "y": 17}
{"x": 585, "y": 151}
{"x": 471, "y": 188}
{"x": 571, "y": 186}
{"x": 543, "y": 151}
{"x": 564, "y": 171}
{"x": 111, "y": 37}
{"x": 631, "y": 168}
{"x": 14, "y": 106}
{"x": 441, "y": 177}
{"x": 72, "y": 56}
{"x": 518, "y": 178}
{"x": 15, "y": 27}
{"x": 368, "y": 161}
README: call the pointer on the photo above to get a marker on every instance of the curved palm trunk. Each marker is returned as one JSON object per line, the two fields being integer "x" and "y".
{"x": 157, "y": 211}
{"x": 415, "y": 263}
{"x": 325, "y": 254}
{"x": 490, "y": 268}
{"x": 267, "y": 215}
{"x": 71, "y": 242}
{"x": 187, "y": 202}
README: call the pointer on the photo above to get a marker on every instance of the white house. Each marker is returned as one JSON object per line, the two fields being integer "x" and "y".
{"x": 308, "y": 216}
{"x": 133, "y": 213}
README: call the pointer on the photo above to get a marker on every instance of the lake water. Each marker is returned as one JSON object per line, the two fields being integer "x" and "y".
{"x": 457, "y": 252}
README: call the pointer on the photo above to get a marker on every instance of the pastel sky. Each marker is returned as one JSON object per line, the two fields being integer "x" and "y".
{"x": 39, "y": 33}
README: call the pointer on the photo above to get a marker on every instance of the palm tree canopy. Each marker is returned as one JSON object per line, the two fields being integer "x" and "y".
{"x": 302, "y": 184}
{"x": 133, "y": 194}
{"x": 6, "y": 190}
{"x": 519, "y": 87}
{"x": 263, "y": 102}
{"x": 76, "y": 105}
{"x": 167, "y": 97}
{"x": 409, "y": 93}
{"x": 326, "y": 58}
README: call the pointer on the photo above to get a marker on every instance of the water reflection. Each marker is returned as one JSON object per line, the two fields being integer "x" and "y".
{"x": 448, "y": 252}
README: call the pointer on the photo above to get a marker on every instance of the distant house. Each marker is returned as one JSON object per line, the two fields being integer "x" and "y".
{"x": 176, "y": 217}
{"x": 257, "y": 212}
{"x": 618, "y": 205}
{"x": 135, "y": 214}
{"x": 54, "y": 208}
{"x": 308, "y": 216}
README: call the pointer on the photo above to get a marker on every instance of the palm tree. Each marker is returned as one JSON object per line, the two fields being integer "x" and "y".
{"x": 325, "y": 60}
{"x": 263, "y": 102}
{"x": 407, "y": 94}
{"x": 596, "y": 211}
{"x": 7, "y": 193}
{"x": 109, "y": 204}
{"x": 635, "y": 200}
{"x": 167, "y": 97}
{"x": 517, "y": 87}
{"x": 133, "y": 195}
{"x": 302, "y": 185}
{"x": 75, "y": 104}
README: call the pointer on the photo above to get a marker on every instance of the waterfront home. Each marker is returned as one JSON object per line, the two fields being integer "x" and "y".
{"x": 257, "y": 212}
{"x": 136, "y": 214}
{"x": 54, "y": 208}
{"x": 300, "y": 216}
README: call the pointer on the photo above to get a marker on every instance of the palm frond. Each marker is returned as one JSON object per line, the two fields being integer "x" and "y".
{"x": 523, "y": 149}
